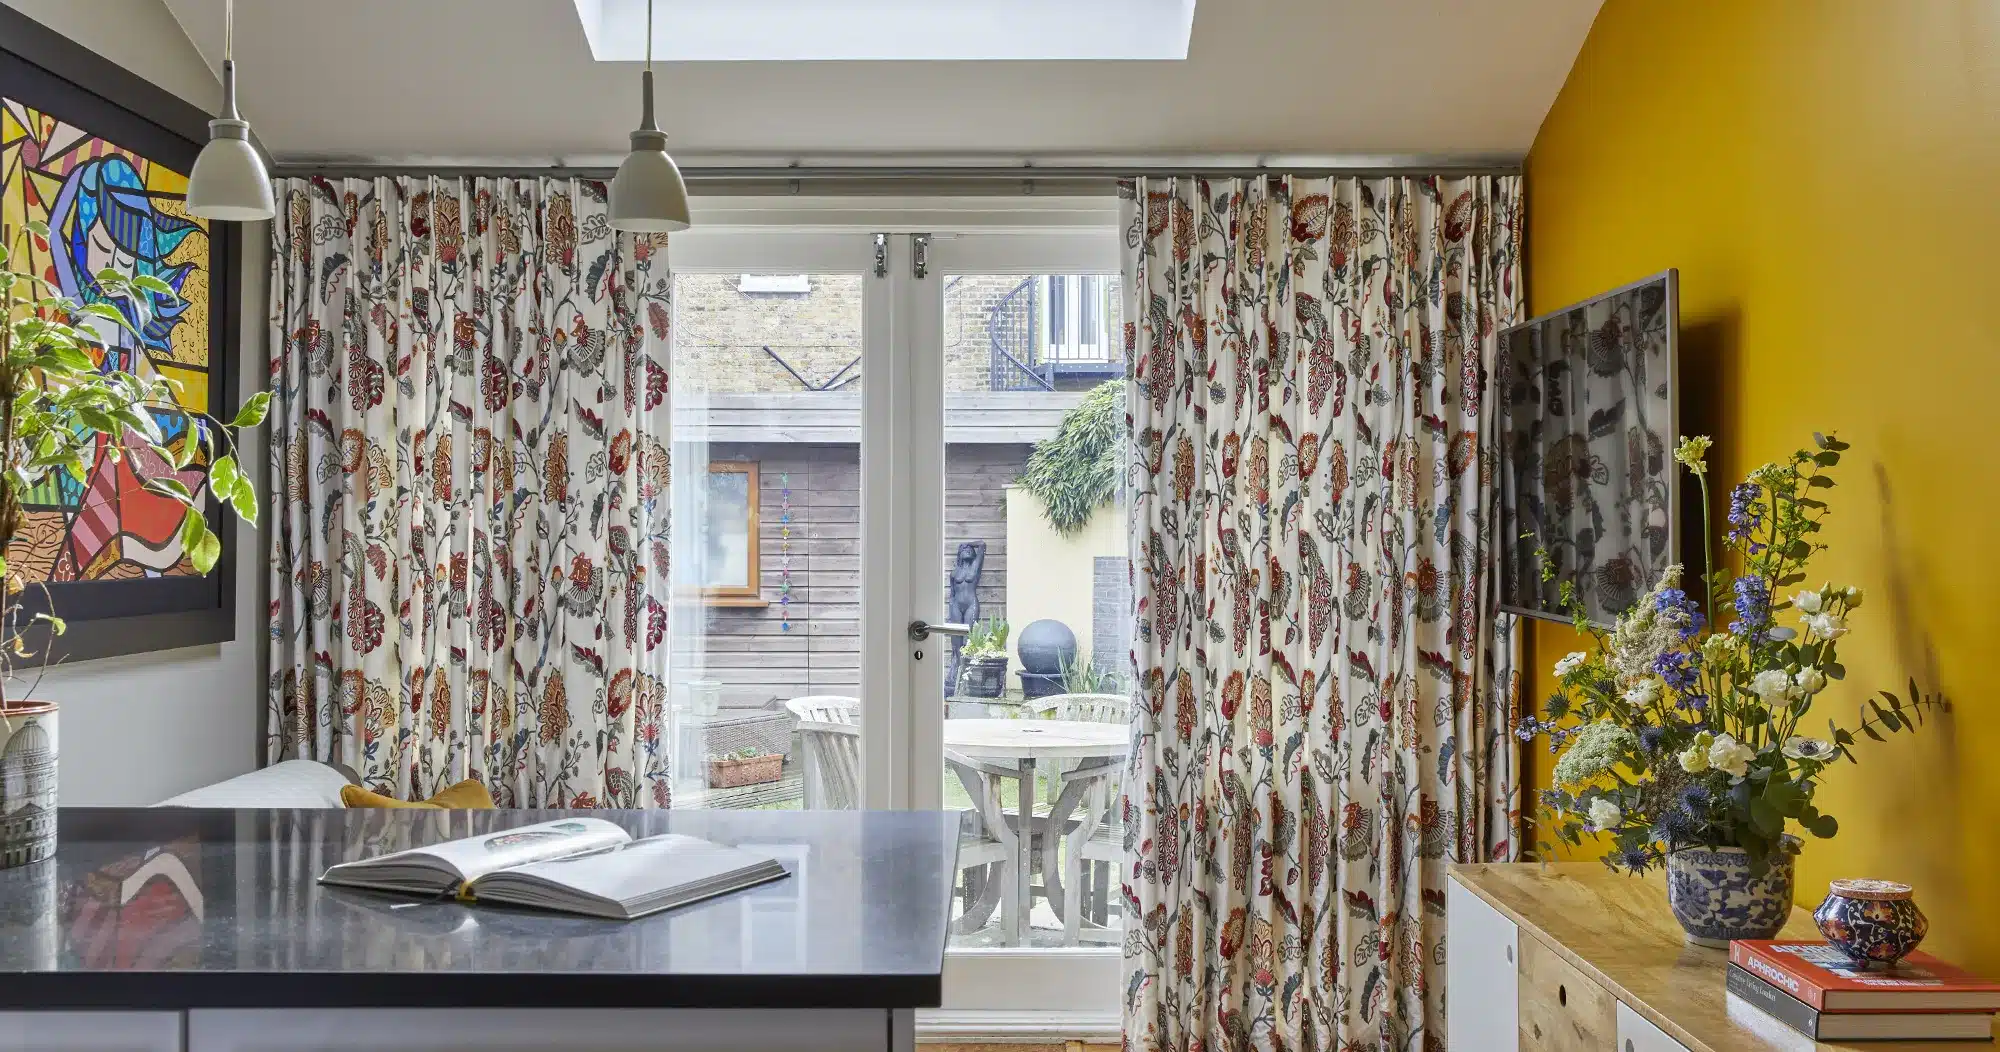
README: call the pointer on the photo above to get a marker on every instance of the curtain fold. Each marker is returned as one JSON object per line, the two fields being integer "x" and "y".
{"x": 1326, "y": 683}
{"x": 469, "y": 434}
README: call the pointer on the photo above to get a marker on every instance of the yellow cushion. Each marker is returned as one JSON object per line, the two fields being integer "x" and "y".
{"x": 468, "y": 795}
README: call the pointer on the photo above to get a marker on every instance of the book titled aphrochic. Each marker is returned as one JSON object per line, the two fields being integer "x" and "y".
{"x": 573, "y": 865}
{"x": 1822, "y": 977}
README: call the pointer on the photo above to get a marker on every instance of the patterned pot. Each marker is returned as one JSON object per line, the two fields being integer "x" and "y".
{"x": 27, "y": 782}
{"x": 1871, "y": 921}
{"x": 1715, "y": 898}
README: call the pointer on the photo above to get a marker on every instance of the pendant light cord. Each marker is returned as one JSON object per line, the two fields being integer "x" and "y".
{"x": 229, "y": 61}
{"x": 647, "y": 123}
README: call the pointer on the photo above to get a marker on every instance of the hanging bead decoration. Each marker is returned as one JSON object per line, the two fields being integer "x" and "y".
{"x": 784, "y": 552}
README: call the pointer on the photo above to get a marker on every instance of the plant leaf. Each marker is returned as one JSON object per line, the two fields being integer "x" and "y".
{"x": 253, "y": 411}
{"x": 207, "y": 552}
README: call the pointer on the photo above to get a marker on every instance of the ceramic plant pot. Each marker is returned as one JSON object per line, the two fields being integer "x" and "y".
{"x": 984, "y": 678}
{"x": 27, "y": 782}
{"x": 1715, "y": 898}
{"x": 1871, "y": 921}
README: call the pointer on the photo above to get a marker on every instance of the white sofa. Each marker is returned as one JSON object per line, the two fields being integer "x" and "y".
{"x": 288, "y": 783}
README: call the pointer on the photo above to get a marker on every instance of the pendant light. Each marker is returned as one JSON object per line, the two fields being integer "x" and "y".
{"x": 648, "y": 194}
{"x": 229, "y": 180}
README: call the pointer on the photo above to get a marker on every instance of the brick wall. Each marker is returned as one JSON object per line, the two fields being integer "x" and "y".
{"x": 720, "y": 333}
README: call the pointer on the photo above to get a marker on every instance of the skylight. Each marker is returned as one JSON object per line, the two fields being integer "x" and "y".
{"x": 888, "y": 30}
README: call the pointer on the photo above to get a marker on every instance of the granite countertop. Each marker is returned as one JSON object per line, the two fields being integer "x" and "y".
{"x": 163, "y": 908}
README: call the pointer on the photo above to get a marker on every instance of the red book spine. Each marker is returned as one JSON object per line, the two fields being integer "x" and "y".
{"x": 1773, "y": 969}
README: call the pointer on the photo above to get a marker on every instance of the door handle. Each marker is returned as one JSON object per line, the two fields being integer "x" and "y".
{"x": 921, "y": 630}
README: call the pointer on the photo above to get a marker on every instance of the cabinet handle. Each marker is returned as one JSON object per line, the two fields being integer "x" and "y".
{"x": 1628, "y": 1045}
{"x": 1510, "y": 960}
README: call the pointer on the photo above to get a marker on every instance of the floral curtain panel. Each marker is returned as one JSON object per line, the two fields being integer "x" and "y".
{"x": 1327, "y": 685}
{"x": 469, "y": 443}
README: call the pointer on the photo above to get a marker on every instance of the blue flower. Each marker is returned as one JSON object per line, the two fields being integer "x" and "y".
{"x": 1650, "y": 738}
{"x": 1753, "y": 607}
{"x": 1694, "y": 802}
{"x": 1677, "y": 667}
{"x": 1746, "y": 514}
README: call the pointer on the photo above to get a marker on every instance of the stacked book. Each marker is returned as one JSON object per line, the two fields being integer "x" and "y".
{"x": 1814, "y": 990}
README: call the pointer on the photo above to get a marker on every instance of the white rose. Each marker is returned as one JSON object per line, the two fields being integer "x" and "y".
{"x": 1694, "y": 759}
{"x": 1605, "y": 815}
{"x": 1810, "y": 680}
{"x": 1570, "y": 663}
{"x": 1730, "y": 756}
{"x": 1772, "y": 685}
{"x": 1853, "y": 598}
{"x": 1716, "y": 647}
{"x": 1644, "y": 693}
{"x": 1826, "y": 626}
{"x": 1809, "y": 602}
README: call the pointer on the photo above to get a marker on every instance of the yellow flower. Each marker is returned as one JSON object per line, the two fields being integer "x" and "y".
{"x": 1693, "y": 452}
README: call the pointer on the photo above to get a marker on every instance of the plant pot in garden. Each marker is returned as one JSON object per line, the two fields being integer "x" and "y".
{"x": 733, "y": 771}
{"x": 984, "y": 678}
{"x": 27, "y": 782}
{"x": 1716, "y": 899}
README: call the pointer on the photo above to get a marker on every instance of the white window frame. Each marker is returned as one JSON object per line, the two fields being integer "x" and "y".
{"x": 1010, "y": 993}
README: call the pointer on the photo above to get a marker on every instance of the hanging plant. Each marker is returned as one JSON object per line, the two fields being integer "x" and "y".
{"x": 1076, "y": 471}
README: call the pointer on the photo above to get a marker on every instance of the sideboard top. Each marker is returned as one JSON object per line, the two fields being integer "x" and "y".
{"x": 1618, "y": 930}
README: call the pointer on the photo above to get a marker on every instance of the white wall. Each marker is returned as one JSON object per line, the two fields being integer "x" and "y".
{"x": 138, "y": 729}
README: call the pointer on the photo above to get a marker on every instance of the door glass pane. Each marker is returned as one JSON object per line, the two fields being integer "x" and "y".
{"x": 1036, "y": 701}
{"x": 766, "y": 664}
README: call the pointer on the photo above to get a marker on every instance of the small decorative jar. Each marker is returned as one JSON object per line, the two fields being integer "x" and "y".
{"x": 1871, "y": 921}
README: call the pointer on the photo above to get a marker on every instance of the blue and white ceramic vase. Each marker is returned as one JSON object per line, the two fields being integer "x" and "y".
{"x": 1871, "y": 921}
{"x": 1715, "y": 898}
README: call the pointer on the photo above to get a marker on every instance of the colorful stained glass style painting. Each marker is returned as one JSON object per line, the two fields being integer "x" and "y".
{"x": 108, "y": 206}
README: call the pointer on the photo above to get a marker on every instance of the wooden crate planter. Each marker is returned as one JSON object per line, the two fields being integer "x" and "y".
{"x": 732, "y": 772}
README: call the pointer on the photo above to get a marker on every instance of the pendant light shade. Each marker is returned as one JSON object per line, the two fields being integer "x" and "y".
{"x": 648, "y": 194}
{"x": 229, "y": 181}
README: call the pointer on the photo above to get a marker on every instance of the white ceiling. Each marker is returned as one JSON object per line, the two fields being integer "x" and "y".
{"x": 472, "y": 80}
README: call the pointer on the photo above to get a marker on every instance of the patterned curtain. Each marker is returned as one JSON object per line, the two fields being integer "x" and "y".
{"x": 1326, "y": 681}
{"x": 469, "y": 434}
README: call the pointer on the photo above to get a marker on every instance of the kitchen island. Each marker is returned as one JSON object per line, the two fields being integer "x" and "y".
{"x": 206, "y": 931}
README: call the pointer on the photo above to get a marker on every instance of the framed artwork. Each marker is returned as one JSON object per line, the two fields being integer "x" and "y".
{"x": 731, "y": 569}
{"x": 102, "y": 158}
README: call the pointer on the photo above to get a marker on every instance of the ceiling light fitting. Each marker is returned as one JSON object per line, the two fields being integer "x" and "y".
{"x": 648, "y": 194}
{"x": 229, "y": 181}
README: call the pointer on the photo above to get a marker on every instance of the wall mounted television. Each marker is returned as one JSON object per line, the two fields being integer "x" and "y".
{"x": 1588, "y": 420}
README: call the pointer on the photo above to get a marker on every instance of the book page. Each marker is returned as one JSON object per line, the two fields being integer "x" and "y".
{"x": 477, "y": 856}
{"x": 642, "y": 868}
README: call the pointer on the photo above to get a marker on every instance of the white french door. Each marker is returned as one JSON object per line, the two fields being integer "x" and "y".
{"x": 854, "y": 410}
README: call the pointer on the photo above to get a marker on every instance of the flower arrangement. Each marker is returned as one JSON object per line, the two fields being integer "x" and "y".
{"x": 1679, "y": 731}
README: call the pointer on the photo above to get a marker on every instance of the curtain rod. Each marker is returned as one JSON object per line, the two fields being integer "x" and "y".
{"x": 993, "y": 173}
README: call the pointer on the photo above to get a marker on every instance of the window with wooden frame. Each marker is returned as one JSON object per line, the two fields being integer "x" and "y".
{"x": 731, "y": 570}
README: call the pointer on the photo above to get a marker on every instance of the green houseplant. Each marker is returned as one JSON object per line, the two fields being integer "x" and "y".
{"x": 65, "y": 411}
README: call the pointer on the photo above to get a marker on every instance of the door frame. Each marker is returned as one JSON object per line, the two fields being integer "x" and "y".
{"x": 1041, "y": 993}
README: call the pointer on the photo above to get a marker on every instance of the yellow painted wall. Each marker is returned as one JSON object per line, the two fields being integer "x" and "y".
{"x": 1826, "y": 176}
{"x": 1049, "y": 575}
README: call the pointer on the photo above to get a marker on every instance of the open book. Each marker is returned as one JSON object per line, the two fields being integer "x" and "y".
{"x": 576, "y": 865}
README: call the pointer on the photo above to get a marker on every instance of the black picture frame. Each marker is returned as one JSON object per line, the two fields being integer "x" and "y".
{"x": 56, "y": 75}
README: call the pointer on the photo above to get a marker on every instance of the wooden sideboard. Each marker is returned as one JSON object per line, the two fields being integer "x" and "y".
{"x": 1573, "y": 957}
